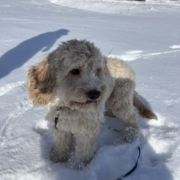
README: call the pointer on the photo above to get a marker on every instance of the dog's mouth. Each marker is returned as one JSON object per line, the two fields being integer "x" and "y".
{"x": 84, "y": 103}
{"x": 84, "y": 106}
{"x": 90, "y": 101}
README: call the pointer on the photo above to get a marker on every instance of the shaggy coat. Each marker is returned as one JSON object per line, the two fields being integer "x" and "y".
{"x": 77, "y": 84}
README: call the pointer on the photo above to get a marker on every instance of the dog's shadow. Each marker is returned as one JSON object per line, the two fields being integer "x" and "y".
{"x": 17, "y": 56}
{"x": 113, "y": 159}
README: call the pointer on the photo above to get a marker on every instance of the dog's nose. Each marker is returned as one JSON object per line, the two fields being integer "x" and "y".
{"x": 93, "y": 94}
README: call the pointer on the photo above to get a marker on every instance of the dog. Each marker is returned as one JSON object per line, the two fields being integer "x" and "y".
{"x": 78, "y": 84}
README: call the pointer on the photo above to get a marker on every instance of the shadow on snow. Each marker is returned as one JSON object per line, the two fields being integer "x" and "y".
{"x": 16, "y": 57}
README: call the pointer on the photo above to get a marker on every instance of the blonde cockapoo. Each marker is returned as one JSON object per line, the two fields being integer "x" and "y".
{"x": 78, "y": 84}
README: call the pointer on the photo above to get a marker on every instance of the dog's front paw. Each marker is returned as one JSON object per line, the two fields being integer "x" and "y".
{"x": 76, "y": 164}
{"x": 55, "y": 157}
{"x": 129, "y": 134}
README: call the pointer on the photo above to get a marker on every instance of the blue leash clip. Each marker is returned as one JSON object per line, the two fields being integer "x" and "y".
{"x": 55, "y": 122}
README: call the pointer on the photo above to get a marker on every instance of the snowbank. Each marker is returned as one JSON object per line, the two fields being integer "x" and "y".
{"x": 116, "y": 6}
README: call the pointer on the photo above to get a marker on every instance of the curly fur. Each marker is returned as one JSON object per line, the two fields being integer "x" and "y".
{"x": 52, "y": 83}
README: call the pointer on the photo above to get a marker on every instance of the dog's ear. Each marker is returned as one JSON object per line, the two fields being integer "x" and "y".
{"x": 41, "y": 81}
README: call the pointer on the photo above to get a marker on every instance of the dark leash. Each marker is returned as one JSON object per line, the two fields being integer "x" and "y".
{"x": 56, "y": 119}
{"x": 129, "y": 172}
{"x": 135, "y": 166}
{"x": 55, "y": 122}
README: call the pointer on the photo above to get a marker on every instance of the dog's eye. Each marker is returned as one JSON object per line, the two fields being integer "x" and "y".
{"x": 97, "y": 72}
{"x": 75, "y": 71}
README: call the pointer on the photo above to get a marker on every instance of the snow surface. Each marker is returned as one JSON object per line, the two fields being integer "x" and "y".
{"x": 145, "y": 34}
{"x": 117, "y": 6}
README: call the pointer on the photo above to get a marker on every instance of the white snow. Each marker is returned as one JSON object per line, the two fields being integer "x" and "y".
{"x": 175, "y": 46}
{"x": 116, "y": 6}
{"x": 9, "y": 87}
{"x": 145, "y": 34}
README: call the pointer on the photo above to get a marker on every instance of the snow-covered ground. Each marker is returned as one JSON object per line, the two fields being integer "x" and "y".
{"x": 145, "y": 34}
{"x": 117, "y": 6}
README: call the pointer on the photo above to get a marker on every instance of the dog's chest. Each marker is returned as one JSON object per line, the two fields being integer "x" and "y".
{"x": 76, "y": 122}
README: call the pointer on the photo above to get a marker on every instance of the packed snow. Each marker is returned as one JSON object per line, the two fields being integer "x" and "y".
{"x": 117, "y": 6}
{"x": 146, "y": 34}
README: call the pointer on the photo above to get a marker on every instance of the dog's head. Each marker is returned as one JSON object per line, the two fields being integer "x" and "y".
{"x": 75, "y": 72}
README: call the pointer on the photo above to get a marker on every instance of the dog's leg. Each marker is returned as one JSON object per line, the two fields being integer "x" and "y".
{"x": 121, "y": 105}
{"x": 85, "y": 148}
{"x": 60, "y": 151}
{"x": 127, "y": 112}
{"x": 131, "y": 129}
